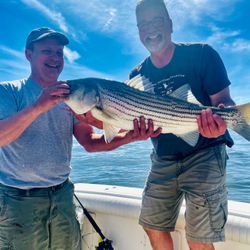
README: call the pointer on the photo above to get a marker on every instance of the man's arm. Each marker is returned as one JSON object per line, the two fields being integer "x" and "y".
{"x": 212, "y": 125}
{"x": 11, "y": 128}
{"x": 93, "y": 142}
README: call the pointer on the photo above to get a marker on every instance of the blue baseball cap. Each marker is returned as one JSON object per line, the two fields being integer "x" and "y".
{"x": 44, "y": 32}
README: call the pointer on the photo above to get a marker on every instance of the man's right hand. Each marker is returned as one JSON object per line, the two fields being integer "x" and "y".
{"x": 52, "y": 95}
{"x": 143, "y": 131}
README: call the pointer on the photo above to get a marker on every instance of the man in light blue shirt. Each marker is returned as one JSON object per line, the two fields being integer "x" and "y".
{"x": 36, "y": 197}
{"x": 37, "y": 210}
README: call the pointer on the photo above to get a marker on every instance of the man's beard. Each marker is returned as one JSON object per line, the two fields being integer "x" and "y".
{"x": 154, "y": 46}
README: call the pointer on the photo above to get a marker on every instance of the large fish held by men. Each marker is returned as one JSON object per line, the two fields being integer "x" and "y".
{"x": 117, "y": 104}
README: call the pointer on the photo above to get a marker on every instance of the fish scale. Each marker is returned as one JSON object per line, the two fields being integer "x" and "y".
{"x": 144, "y": 108}
{"x": 117, "y": 104}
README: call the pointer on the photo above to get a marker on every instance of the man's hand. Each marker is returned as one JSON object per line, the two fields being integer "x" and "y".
{"x": 52, "y": 95}
{"x": 142, "y": 131}
{"x": 211, "y": 125}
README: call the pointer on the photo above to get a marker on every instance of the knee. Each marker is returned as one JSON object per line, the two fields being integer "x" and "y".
{"x": 152, "y": 233}
{"x": 148, "y": 230}
{"x": 159, "y": 239}
{"x": 200, "y": 246}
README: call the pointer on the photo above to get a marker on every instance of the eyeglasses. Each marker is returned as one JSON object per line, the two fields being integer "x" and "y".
{"x": 157, "y": 22}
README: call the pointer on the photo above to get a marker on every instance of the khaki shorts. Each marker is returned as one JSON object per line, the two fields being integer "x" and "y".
{"x": 39, "y": 219}
{"x": 200, "y": 179}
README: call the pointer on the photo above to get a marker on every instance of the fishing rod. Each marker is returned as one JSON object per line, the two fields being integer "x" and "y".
{"x": 104, "y": 244}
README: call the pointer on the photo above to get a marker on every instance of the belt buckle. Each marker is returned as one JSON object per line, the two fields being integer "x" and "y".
{"x": 23, "y": 192}
{"x": 57, "y": 187}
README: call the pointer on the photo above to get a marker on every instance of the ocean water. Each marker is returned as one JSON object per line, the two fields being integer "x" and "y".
{"x": 129, "y": 165}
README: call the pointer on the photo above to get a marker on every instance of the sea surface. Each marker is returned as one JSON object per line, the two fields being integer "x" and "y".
{"x": 129, "y": 166}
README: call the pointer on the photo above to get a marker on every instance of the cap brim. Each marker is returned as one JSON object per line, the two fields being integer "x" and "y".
{"x": 62, "y": 38}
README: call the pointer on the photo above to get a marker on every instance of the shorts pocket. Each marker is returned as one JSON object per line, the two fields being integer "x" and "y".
{"x": 217, "y": 204}
{"x": 222, "y": 157}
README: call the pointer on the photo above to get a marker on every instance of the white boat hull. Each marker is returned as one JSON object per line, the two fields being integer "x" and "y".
{"x": 116, "y": 210}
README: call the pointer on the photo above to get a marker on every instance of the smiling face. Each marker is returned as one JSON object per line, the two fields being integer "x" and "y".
{"x": 46, "y": 60}
{"x": 155, "y": 27}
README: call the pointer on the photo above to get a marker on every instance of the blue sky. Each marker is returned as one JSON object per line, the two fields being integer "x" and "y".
{"x": 104, "y": 40}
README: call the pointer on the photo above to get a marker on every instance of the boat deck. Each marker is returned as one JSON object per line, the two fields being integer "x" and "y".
{"x": 116, "y": 210}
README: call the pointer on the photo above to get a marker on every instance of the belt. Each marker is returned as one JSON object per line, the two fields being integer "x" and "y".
{"x": 34, "y": 191}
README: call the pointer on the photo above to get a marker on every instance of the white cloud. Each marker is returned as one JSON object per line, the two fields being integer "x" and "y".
{"x": 112, "y": 18}
{"x": 240, "y": 79}
{"x": 12, "y": 69}
{"x": 219, "y": 35}
{"x": 117, "y": 18}
{"x": 195, "y": 10}
{"x": 112, "y": 13}
{"x": 107, "y": 16}
{"x": 53, "y": 15}
{"x": 239, "y": 45}
{"x": 75, "y": 71}
{"x": 11, "y": 52}
{"x": 13, "y": 64}
{"x": 228, "y": 40}
{"x": 71, "y": 55}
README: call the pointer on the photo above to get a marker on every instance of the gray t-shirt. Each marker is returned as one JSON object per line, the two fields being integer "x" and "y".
{"x": 41, "y": 156}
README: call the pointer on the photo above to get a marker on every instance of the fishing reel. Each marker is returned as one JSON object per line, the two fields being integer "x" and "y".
{"x": 105, "y": 245}
{"x": 103, "y": 242}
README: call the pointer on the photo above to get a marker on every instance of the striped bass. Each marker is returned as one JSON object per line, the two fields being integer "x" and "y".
{"x": 117, "y": 104}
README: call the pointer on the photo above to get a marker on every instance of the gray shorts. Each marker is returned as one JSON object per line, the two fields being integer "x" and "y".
{"x": 39, "y": 219}
{"x": 200, "y": 178}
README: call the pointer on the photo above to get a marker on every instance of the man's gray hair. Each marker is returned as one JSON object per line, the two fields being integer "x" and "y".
{"x": 143, "y": 3}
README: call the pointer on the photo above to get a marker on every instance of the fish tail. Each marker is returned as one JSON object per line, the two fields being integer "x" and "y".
{"x": 242, "y": 126}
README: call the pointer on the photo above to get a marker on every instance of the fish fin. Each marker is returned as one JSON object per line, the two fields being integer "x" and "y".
{"x": 141, "y": 83}
{"x": 242, "y": 125}
{"x": 109, "y": 132}
{"x": 191, "y": 138}
{"x": 102, "y": 116}
{"x": 184, "y": 93}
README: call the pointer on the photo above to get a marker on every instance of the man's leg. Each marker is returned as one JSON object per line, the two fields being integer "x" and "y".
{"x": 23, "y": 219}
{"x": 203, "y": 180}
{"x": 161, "y": 202}
{"x": 65, "y": 228}
{"x": 159, "y": 240}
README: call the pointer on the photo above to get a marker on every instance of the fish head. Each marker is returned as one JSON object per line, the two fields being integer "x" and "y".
{"x": 83, "y": 95}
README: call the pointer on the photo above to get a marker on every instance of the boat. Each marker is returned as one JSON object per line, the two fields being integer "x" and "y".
{"x": 115, "y": 209}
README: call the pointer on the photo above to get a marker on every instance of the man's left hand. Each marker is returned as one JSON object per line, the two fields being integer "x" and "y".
{"x": 211, "y": 125}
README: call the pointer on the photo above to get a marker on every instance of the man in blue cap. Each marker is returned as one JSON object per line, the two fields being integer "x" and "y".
{"x": 36, "y": 197}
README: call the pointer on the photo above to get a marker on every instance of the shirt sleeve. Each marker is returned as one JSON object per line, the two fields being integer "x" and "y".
{"x": 8, "y": 104}
{"x": 213, "y": 71}
{"x": 133, "y": 73}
